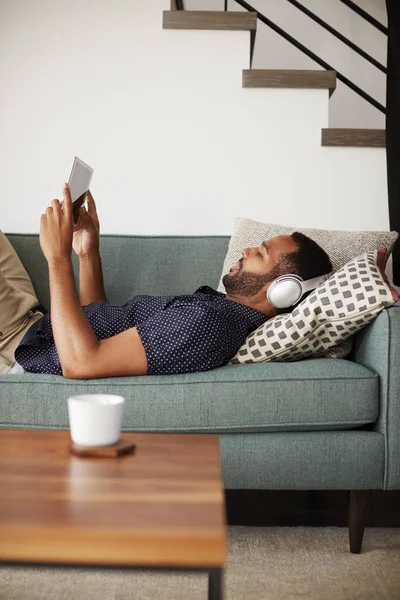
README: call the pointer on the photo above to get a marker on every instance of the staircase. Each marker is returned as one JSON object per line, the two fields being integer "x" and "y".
{"x": 178, "y": 18}
{"x": 182, "y": 133}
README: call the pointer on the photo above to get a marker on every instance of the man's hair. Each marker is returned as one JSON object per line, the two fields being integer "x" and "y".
{"x": 309, "y": 261}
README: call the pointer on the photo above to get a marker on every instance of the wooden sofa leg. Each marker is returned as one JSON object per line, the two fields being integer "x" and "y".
{"x": 358, "y": 509}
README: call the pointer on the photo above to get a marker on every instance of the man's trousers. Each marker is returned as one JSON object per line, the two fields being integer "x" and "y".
{"x": 18, "y": 304}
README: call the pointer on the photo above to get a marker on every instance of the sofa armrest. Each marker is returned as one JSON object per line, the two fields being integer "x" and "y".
{"x": 377, "y": 347}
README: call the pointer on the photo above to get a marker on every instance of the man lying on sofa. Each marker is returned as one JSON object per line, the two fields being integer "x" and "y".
{"x": 87, "y": 337}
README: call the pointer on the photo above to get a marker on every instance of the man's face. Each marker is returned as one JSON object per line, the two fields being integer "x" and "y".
{"x": 258, "y": 266}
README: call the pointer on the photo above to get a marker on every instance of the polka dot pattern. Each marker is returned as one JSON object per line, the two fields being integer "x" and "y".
{"x": 180, "y": 334}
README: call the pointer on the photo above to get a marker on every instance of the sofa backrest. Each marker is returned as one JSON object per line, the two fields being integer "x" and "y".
{"x": 133, "y": 265}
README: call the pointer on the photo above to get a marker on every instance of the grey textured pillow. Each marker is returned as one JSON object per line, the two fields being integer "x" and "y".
{"x": 341, "y": 246}
{"x": 329, "y": 316}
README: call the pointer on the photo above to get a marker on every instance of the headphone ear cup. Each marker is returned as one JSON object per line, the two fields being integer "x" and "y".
{"x": 284, "y": 291}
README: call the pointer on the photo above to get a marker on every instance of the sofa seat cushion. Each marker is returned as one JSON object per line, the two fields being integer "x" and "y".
{"x": 313, "y": 394}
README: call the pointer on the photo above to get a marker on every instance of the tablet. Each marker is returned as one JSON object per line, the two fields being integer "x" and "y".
{"x": 79, "y": 183}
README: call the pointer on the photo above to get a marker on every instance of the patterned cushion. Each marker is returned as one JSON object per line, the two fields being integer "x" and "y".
{"x": 336, "y": 310}
{"x": 341, "y": 246}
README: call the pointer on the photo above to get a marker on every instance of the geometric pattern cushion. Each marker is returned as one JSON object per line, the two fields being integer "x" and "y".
{"x": 327, "y": 317}
{"x": 341, "y": 246}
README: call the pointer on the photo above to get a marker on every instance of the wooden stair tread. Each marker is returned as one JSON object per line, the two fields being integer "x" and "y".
{"x": 202, "y": 19}
{"x": 368, "y": 138}
{"x": 286, "y": 78}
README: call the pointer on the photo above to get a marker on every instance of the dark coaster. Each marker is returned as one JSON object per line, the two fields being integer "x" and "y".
{"x": 115, "y": 450}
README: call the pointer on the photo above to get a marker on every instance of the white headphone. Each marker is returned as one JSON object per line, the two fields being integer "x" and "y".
{"x": 287, "y": 290}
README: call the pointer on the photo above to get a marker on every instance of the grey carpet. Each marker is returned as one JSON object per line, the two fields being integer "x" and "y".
{"x": 265, "y": 563}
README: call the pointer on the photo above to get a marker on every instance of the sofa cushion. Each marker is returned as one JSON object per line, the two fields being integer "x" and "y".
{"x": 316, "y": 394}
{"x": 134, "y": 265}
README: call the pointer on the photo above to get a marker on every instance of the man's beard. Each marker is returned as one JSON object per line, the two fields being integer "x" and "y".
{"x": 247, "y": 284}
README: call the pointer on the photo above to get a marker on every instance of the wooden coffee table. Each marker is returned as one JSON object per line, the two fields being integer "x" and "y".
{"x": 159, "y": 508}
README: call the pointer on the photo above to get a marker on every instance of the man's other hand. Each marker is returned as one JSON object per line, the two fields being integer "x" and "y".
{"x": 86, "y": 234}
{"x": 56, "y": 226}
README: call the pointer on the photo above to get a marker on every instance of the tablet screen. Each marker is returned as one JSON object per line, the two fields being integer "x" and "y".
{"x": 80, "y": 178}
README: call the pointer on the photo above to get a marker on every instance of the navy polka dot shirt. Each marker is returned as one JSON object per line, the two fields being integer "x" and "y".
{"x": 180, "y": 334}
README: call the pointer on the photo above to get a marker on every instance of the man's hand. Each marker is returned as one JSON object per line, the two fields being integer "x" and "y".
{"x": 87, "y": 230}
{"x": 56, "y": 227}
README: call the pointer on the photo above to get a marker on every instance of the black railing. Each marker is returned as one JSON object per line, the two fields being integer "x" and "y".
{"x": 336, "y": 33}
{"x": 365, "y": 16}
{"x": 316, "y": 58}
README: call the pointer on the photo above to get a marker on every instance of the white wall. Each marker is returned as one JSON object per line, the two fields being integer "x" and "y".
{"x": 177, "y": 145}
{"x": 347, "y": 109}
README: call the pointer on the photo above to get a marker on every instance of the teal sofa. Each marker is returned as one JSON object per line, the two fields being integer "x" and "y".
{"x": 317, "y": 424}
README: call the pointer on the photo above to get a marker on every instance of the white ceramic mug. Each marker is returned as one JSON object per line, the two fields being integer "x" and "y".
{"x": 95, "y": 419}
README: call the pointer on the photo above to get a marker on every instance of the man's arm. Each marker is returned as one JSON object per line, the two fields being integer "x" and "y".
{"x": 86, "y": 243}
{"x": 81, "y": 354}
{"x": 91, "y": 284}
